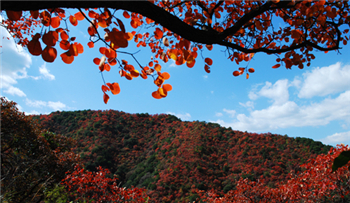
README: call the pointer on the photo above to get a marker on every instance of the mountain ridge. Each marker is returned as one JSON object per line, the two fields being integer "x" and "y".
{"x": 171, "y": 157}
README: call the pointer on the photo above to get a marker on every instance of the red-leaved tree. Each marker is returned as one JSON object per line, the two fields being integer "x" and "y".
{"x": 83, "y": 185}
{"x": 180, "y": 31}
{"x": 316, "y": 183}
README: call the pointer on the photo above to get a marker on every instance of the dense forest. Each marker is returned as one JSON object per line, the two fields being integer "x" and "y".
{"x": 172, "y": 158}
{"x": 112, "y": 156}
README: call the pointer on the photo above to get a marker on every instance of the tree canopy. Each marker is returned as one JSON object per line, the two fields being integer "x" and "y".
{"x": 181, "y": 31}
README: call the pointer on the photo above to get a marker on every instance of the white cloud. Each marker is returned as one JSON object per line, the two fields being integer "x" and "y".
{"x": 185, "y": 116}
{"x": 284, "y": 113}
{"x": 14, "y": 62}
{"x": 278, "y": 92}
{"x": 205, "y": 76}
{"x": 32, "y": 113}
{"x": 55, "y": 106}
{"x": 14, "y": 91}
{"x": 326, "y": 80}
{"x": 337, "y": 138}
{"x": 230, "y": 112}
{"x": 45, "y": 72}
{"x": 172, "y": 64}
{"x": 248, "y": 104}
{"x": 218, "y": 114}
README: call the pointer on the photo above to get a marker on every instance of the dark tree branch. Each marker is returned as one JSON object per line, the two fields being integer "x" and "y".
{"x": 173, "y": 23}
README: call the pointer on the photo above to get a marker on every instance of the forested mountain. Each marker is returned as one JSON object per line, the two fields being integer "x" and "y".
{"x": 171, "y": 158}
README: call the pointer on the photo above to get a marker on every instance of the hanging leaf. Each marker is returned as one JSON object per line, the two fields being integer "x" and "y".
{"x": 67, "y": 57}
{"x": 114, "y": 87}
{"x": 105, "y": 98}
{"x": 209, "y": 61}
{"x": 73, "y": 20}
{"x": 49, "y": 54}
{"x": 14, "y": 15}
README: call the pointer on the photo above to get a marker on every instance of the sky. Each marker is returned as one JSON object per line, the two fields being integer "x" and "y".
{"x": 312, "y": 102}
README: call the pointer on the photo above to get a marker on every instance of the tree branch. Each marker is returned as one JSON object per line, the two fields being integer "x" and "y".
{"x": 171, "y": 22}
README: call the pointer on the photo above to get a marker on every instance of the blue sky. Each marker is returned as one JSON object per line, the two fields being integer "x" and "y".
{"x": 313, "y": 102}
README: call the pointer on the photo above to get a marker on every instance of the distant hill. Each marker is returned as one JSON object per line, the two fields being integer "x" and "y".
{"x": 171, "y": 157}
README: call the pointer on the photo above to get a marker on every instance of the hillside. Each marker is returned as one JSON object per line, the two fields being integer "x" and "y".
{"x": 170, "y": 157}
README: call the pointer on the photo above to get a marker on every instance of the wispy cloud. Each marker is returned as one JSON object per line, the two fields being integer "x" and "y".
{"x": 45, "y": 72}
{"x": 55, "y": 106}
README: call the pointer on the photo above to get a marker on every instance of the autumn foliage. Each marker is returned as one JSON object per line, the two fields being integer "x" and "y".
{"x": 316, "y": 183}
{"x": 98, "y": 187}
{"x": 174, "y": 160}
{"x": 180, "y": 31}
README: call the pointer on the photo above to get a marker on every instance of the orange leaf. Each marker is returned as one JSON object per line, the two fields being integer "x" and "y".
{"x": 165, "y": 75}
{"x": 103, "y": 50}
{"x": 79, "y": 16}
{"x": 45, "y": 18}
{"x": 64, "y": 44}
{"x": 187, "y": 44}
{"x": 73, "y": 49}
{"x": 97, "y": 61}
{"x": 208, "y": 61}
{"x": 251, "y": 70}
{"x": 128, "y": 76}
{"x": 112, "y": 61}
{"x": 158, "y": 67}
{"x": 150, "y": 63}
{"x": 276, "y": 66}
{"x": 64, "y": 35}
{"x": 162, "y": 92}
{"x": 91, "y": 44}
{"x": 236, "y": 73}
{"x": 14, "y": 15}
{"x": 158, "y": 33}
{"x": 105, "y": 88}
{"x": 50, "y": 38}
{"x": 159, "y": 81}
{"x": 73, "y": 20}
{"x": 115, "y": 89}
{"x": 55, "y": 22}
{"x": 134, "y": 73}
{"x": 209, "y": 47}
{"x": 80, "y": 47}
{"x": 247, "y": 76}
{"x": 129, "y": 36}
{"x": 167, "y": 87}
{"x": 34, "y": 14}
{"x": 106, "y": 67}
{"x": 121, "y": 25}
{"x": 156, "y": 95}
{"x": 206, "y": 68}
{"x": 49, "y": 54}
{"x": 191, "y": 64}
{"x": 126, "y": 14}
{"x": 105, "y": 98}
{"x": 110, "y": 53}
{"x": 67, "y": 57}
{"x": 118, "y": 38}
{"x": 34, "y": 46}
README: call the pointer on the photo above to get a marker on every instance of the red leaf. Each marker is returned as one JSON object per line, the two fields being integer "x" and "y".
{"x": 105, "y": 98}
{"x": 209, "y": 61}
